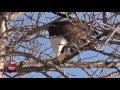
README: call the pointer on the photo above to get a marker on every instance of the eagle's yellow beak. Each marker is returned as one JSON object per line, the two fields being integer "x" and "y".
{"x": 61, "y": 56}
{"x": 58, "y": 56}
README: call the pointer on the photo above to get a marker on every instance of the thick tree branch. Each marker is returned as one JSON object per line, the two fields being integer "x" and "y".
{"x": 24, "y": 66}
{"x": 111, "y": 75}
{"x": 49, "y": 64}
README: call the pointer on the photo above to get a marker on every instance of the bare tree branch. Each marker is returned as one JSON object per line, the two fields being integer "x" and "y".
{"x": 111, "y": 75}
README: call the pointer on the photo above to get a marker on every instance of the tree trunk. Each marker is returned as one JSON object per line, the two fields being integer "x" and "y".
{"x": 5, "y": 16}
{"x": 2, "y": 47}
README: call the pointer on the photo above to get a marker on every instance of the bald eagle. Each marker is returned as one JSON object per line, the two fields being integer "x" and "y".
{"x": 74, "y": 35}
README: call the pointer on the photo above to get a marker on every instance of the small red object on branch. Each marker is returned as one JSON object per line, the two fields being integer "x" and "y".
{"x": 11, "y": 67}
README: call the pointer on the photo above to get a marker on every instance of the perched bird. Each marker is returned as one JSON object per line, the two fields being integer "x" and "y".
{"x": 74, "y": 35}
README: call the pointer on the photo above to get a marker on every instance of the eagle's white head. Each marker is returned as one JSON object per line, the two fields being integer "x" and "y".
{"x": 57, "y": 44}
